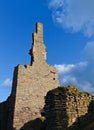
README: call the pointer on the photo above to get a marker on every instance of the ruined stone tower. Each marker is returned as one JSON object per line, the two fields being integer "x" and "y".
{"x": 66, "y": 108}
{"x": 31, "y": 83}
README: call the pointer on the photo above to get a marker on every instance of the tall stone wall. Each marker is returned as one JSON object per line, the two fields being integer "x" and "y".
{"x": 68, "y": 108}
{"x": 31, "y": 83}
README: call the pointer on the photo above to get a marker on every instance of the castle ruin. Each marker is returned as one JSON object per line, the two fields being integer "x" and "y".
{"x": 36, "y": 88}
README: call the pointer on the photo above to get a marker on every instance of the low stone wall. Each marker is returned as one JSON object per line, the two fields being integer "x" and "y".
{"x": 68, "y": 108}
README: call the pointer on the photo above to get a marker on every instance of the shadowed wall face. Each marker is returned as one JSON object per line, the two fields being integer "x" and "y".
{"x": 3, "y": 115}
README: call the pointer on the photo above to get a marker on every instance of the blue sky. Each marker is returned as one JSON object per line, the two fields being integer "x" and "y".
{"x": 68, "y": 36}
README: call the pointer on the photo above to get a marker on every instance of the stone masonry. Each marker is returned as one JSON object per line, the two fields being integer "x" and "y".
{"x": 67, "y": 108}
{"x": 31, "y": 83}
{"x": 35, "y": 88}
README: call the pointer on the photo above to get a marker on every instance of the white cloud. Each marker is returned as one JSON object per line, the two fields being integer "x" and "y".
{"x": 80, "y": 74}
{"x": 68, "y": 68}
{"x": 76, "y": 15}
{"x": 63, "y": 69}
{"x": 7, "y": 83}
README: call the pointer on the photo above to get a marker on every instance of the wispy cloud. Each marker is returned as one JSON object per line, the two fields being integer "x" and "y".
{"x": 75, "y": 15}
{"x": 7, "y": 83}
{"x": 55, "y": 3}
{"x": 89, "y": 51}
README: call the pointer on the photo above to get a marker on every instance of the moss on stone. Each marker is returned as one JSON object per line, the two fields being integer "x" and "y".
{"x": 70, "y": 89}
{"x": 42, "y": 118}
{"x": 73, "y": 90}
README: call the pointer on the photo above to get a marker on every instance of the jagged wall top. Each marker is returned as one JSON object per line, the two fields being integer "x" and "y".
{"x": 38, "y": 51}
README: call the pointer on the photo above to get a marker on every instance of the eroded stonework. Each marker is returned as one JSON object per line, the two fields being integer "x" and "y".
{"x": 32, "y": 82}
{"x": 67, "y": 108}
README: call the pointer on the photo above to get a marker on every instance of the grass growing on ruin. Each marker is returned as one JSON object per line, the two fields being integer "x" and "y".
{"x": 70, "y": 89}
{"x": 73, "y": 89}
